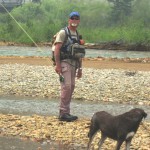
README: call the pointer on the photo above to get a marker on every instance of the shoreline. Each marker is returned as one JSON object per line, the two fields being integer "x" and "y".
{"x": 114, "y": 45}
{"x": 139, "y": 64}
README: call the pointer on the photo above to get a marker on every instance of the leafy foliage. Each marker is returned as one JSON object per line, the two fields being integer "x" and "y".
{"x": 101, "y": 20}
{"x": 121, "y": 10}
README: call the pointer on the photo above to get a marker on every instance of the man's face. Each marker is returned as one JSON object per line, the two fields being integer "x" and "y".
{"x": 74, "y": 21}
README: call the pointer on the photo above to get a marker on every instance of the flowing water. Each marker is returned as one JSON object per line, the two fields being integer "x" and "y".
{"x": 46, "y": 51}
{"x": 49, "y": 107}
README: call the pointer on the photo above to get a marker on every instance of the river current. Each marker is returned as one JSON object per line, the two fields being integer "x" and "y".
{"x": 46, "y": 51}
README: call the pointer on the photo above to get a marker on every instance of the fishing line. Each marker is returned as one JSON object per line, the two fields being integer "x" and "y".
{"x": 22, "y": 28}
{"x": 19, "y": 25}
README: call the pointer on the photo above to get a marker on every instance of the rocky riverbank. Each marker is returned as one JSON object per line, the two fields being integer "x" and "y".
{"x": 100, "y": 85}
{"x": 62, "y": 135}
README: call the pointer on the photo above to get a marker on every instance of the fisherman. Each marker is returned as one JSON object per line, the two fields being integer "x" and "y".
{"x": 68, "y": 54}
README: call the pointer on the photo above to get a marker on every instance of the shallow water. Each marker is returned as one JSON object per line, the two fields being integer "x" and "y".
{"x": 49, "y": 107}
{"x": 46, "y": 51}
{"x": 13, "y": 143}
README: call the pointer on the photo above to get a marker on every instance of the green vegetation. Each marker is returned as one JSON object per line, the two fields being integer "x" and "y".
{"x": 101, "y": 20}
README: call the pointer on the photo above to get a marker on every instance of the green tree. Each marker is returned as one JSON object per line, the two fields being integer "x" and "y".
{"x": 141, "y": 11}
{"x": 121, "y": 9}
{"x": 42, "y": 21}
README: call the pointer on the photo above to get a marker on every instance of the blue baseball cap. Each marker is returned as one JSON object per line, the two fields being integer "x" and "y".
{"x": 72, "y": 14}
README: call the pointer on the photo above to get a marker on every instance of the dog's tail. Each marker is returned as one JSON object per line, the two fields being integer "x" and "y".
{"x": 93, "y": 127}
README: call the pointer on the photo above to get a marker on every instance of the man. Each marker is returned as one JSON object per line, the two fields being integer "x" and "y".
{"x": 67, "y": 67}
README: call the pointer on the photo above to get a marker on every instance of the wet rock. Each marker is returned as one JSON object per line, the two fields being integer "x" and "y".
{"x": 111, "y": 85}
{"x": 72, "y": 135}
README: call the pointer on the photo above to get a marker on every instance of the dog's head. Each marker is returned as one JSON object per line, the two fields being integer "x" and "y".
{"x": 144, "y": 114}
{"x": 141, "y": 112}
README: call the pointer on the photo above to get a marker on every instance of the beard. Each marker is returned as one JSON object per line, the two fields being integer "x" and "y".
{"x": 74, "y": 25}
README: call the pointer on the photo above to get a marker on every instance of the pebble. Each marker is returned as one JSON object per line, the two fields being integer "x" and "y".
{"x": 67, "y": 135}
{"x": 100, "y": 85}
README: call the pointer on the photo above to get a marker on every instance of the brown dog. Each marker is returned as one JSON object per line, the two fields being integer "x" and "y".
{"x": 120, "y": 128}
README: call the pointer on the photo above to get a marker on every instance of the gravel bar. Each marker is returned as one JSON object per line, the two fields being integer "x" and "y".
{"x": 99, "y": 85}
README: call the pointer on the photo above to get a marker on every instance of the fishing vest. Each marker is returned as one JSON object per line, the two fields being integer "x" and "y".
{"x": 71, "y": 48}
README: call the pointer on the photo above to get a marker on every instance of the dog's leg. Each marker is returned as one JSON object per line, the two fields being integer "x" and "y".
{"x": 93, "y": 130}
{"x": 103, "y": 138}
{"x": 119, "y": 143}
{"x": 128, "y": 143}
{"x": 129, "y": 137}
{"x": 90, "y": 141}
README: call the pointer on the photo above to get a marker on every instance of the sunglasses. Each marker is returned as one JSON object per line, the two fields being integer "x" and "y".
{"x": 72, "y": 18}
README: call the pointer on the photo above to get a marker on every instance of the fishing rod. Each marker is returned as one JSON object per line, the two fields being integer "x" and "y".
{"x": 18, "y": 24}
{"x": 22, "y": 28}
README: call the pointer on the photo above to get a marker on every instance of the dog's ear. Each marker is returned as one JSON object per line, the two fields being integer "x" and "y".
{"x": 141, "y": 112}
{"x": 144, "y": 114}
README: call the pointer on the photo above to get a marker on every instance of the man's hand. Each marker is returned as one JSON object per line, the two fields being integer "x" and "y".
{"x": 58, "y": 69}
{"x": 79, "y": 73}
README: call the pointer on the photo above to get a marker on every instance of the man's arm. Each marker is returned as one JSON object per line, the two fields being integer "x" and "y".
{"x": 57, "y": 57}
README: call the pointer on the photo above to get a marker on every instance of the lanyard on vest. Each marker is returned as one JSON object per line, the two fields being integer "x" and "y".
{"x": 70, "y": 37}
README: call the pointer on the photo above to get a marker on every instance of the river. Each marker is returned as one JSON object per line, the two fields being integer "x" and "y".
{"x": 44, "y": 106}
{"x": 46, "y": 51}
